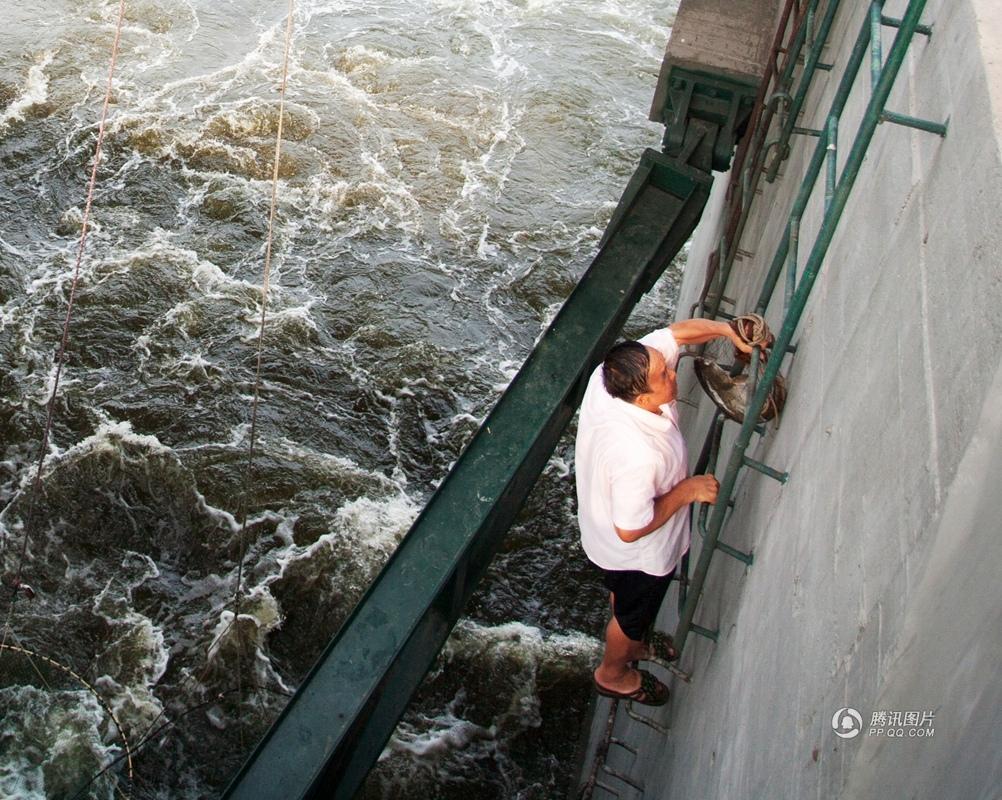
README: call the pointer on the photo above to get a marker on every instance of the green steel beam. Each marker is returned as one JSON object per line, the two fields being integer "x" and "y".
{"x": 723, "y": 102}
{"x": 339, "y": 720}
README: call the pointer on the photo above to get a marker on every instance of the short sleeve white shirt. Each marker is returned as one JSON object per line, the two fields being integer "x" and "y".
{"x": 625, "y": 457}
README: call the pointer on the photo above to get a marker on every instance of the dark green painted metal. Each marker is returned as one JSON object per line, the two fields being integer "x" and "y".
{"x": 831, "y": 162}
{"x": 706, "y": 633}
{"x": 876, "y": 43}
{"x": 336, "y": 725}
{"x": 744, "y": 558}
{"x": 791, "y": 262}
{"x": 854, "y": 160}
{"x": 813, "y": 168}
{"x": 760, "y": 125}
{"x": 725, "y": 103}
{"x": 811, "y": 64}
{"x": 893, "y": 22}
{"x": 765, "y": 469}
{"x": 707, "y": 463}
{"x": 939, "y": 128}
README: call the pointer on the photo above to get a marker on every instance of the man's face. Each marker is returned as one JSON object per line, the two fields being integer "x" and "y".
{"x": 660, "y": 379}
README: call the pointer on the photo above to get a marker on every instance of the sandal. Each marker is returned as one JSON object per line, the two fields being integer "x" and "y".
{"x": 650, "y": 693}
{"x": 661, "y": 647}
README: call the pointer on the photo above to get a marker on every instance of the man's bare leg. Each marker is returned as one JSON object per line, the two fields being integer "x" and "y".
{"x": 614, "y": 672}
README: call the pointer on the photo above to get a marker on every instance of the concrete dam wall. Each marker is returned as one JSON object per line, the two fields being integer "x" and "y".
{"x": 874, "y": 585}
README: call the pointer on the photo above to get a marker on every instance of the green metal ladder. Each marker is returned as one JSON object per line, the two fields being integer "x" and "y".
{"x": 798, "y": 286}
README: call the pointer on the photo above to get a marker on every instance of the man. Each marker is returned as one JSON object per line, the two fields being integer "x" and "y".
{"x": 634, "y": 495}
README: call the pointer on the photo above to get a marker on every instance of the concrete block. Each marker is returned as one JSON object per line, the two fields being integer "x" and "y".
{"x": 730, "y": 37}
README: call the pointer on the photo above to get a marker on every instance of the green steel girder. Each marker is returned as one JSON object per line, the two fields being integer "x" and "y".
{"x": 338, "y": 722}
{"x": 724, "y": 102}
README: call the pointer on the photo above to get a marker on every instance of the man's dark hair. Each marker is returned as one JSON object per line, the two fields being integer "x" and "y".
{"x": 624, "y": 370}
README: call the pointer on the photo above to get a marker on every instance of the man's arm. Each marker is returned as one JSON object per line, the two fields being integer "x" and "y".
{"x": 697, "y": 489}
{"x": 698, "y": 331}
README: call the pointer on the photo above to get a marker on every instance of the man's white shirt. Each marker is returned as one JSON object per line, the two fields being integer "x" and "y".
{"x": 625, "y": 457}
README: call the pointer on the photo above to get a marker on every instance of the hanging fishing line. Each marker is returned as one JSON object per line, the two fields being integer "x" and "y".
{"x": 265, "y": 285}
{"x": 61, "y": 350}
{"x": 155, "y": 729}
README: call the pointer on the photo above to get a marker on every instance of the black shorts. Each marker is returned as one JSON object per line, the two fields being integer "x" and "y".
{"x": 637, "y": 598}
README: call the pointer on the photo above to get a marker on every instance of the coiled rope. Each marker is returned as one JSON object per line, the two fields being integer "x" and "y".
{"x": 753, "y": 330}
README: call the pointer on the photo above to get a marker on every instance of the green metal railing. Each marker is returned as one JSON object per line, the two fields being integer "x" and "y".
{"x": 838, "y": 189}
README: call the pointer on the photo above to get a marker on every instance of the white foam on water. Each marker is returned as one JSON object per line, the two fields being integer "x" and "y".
{"x": 523, "y": 644}
{"x": 378, "y": 524}
{"x": 34, "y": 92}
{"x": 428, "y": 170}
{"x": 61, "y": 743}
{"x": 259, "y": 616}
{"x": 447, "y": 733}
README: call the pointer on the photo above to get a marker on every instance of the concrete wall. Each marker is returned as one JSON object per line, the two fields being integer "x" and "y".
{"x": 876, "y": 575}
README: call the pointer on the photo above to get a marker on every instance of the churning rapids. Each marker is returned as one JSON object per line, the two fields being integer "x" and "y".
{"x": 447, "y": 171}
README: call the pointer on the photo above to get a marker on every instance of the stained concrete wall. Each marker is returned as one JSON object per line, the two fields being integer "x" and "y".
{"x": 875, "y": 583}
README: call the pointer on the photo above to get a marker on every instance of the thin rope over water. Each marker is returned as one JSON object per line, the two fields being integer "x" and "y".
{"x": 265, "y": 285}
{"x": 61, "y": 350}
{"x": 31, "y": 654}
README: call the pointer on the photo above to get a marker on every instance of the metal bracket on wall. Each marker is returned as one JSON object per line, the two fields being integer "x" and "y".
{"x": 716, "y": 100}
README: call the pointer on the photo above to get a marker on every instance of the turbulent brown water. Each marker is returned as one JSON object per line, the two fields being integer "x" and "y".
{"x": 448, "y": 169}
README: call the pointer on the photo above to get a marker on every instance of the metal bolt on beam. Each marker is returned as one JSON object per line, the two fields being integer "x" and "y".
{"x": 645, "y": 720}
{"x": 615, "y": 773}
{"x": 893, "y": 22}
{"x": 826, "y": 67}
{"x": 766, "y": 470}
{"x": 806, "y": 131}
{"x": 938, "y": 128}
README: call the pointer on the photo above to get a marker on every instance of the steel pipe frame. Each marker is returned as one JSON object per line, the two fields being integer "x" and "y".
{"x": 872, "y": 116}
{"x": 811, "y": 65}
{"x": 741, "y": 190}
